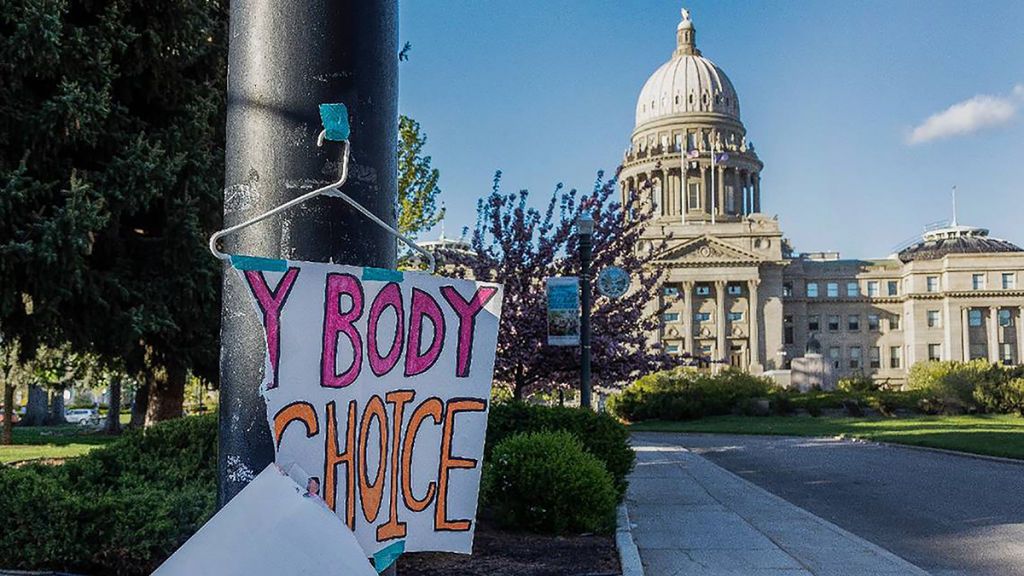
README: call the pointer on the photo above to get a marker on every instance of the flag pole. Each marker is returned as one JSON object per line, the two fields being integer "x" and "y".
{"x": 682, "y": 181}
{"x": 714, "y": 190}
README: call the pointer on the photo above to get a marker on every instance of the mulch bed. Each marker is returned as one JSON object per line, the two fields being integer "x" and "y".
{"x": 500, "y": 553}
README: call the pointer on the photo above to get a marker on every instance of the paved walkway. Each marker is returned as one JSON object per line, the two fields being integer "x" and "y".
{"x": 691, "y": 517}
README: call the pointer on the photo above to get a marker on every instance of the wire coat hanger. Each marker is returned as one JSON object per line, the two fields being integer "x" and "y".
{"x": 336, "y": 128}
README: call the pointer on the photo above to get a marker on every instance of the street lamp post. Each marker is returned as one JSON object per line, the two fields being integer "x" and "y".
{"x": 585, "y": 229}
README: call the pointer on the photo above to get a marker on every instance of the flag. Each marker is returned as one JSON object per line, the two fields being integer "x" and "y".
{"x": 721, "y": 158}
{"x": 693, "y": 153}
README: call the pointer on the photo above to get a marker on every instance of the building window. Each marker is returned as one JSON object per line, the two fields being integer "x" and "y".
{"x": 977, "y": 281}
{"x": 813, "y": 323}
{"x": 833, "y": 322}
{"x": 894, "y": 287}
{"x": 702, "y": 316}
{"x": 787, "y": 288}
{"x": 874, "y": 322}
{"x": 852, "y": 290}
{"x": 894, "y": 322}
{"x": 694, "y": 196}
{"x": 671, "y": 291}
{"x": 933, "y": 318}
{"x": 855, "y": 357}
{"x": 875, "y": 357}
{"x": 672, "y": 348}
{"x": 895, "y": 355}
{"x": 978, "y": 351}
{"x": 812, "y": 289}
{"x": 935, "y": 352}
{"x": 873, "y": 289}
{"x": 853, "y": 322}
{"x": 1009, "y": 281}
{"x": 974, "y": 318}
{"x": 932, "y": 283}
{"x": 735, "y": 316}
{"x": 1005, "y": 318}
{"x": 787, "y": 328}
{"x": 703, "y": 290}
{"x": 832, "y": 290}
{"x": 834, "y": 355}
{"x": 734, "y": 289}
{"x": 1006, "y": 353}
{"x": 670, "y": 316}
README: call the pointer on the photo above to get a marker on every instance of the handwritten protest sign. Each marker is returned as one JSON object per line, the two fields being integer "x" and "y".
{"x": 377, "y": 384}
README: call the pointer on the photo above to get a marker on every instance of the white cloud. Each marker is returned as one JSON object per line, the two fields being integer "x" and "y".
{"x": 969, "y": 116}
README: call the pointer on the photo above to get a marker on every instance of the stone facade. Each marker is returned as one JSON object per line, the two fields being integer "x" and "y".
{"x": 734, "y": 292}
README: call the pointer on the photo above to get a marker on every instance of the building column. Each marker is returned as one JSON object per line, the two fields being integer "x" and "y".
{"x": 754, "y": 314}
{"x": 993, "y": 334}
{"x": 965, "y": 333}
{"x": 688, "y": 323}
{"x": 757, "y": 192}
{"x": 1020, "y": 336}
{"x": 703, "y": 188}
{"x": 720, "y": 193}
{"x": 720, "y": 319}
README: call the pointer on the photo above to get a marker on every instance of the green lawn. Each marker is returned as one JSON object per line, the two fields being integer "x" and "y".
{"x": 51, "y": 442}
{"x": 1000, "y": 435}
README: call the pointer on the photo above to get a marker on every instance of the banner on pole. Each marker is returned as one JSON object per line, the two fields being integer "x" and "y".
{"x": 563, "y": 294}
{"x": 377, "y": 385}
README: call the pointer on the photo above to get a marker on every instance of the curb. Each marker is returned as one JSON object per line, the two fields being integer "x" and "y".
{"x": 947, "y": 451}
{"x": 629, "y": 554}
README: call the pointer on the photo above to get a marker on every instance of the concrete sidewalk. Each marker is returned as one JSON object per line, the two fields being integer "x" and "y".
{"x": 691, "y": 517}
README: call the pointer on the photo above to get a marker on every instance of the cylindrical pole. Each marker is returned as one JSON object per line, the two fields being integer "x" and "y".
{"x": 284, "y": 59}
{"x": 585, "y": 248}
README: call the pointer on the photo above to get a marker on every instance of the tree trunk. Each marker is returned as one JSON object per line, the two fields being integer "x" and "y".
{"x": 140, "y": 405}
{"x": 114, "y": 407}
{"x": 57, "y": 409}
{"x": 35, "y": 412}
{"x": 167, "y": 396}
{"x": 5, "y": 439}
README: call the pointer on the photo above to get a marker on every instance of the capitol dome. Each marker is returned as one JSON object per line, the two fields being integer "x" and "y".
{"x": 955, "y": 239}
{"x": 688, "y": 83}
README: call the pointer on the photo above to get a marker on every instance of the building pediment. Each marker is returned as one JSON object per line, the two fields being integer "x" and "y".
{"x": 707, "y": 250}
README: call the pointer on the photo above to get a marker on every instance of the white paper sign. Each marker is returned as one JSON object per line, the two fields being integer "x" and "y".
{"x": 377, "y": 385}
{"x": 271, "y": 527}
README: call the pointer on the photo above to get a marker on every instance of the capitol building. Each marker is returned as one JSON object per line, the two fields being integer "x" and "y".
{"x": 734, "y": 291}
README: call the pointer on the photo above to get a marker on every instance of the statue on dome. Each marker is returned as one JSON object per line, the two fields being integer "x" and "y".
{"x": 686, "y": 14}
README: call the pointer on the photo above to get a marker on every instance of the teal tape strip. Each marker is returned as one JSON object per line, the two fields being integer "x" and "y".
{"x": 385, "y": 557}
{"x": 256, "y": 263}
{"x": 335, "y": 120}
{"x": 382, "y": 275}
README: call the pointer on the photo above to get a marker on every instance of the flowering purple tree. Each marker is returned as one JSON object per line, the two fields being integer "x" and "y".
{"x": 520, "y": 246}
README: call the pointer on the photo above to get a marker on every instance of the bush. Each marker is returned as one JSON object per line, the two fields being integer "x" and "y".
{"x": 857, "y": 385}
{"x": 996, "y": 396}
{"x": 121, "y": 509}
{"x": 949, "y": 386}
{"x": 601, "y": 435}
{"x": 684, "y": 394}
{"x": 547, "y": 482}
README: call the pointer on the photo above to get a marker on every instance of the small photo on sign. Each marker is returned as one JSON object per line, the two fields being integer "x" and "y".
{"x": 563, "y": 294}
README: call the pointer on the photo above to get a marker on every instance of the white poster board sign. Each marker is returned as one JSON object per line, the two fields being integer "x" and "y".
{"x": 377, "y": 385}
{"x": 563, "y": 293}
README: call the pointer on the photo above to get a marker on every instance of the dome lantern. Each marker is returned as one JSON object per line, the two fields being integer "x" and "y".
{"x": 686, "y": 36}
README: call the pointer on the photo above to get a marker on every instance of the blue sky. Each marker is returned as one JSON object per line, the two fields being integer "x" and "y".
{"x": 836, "y": 96}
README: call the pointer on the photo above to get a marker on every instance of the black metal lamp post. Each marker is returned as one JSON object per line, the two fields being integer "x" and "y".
{"x": 585, "y": 229}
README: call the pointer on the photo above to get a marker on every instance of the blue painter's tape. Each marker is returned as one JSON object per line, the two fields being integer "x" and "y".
{"x": 385, "y": 557}
{"x": 382, "y": 275}
{"x": 257, "y": 263}
{"x": 335, "y": 120}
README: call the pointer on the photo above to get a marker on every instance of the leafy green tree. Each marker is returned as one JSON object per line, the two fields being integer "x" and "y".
{"x": 111, "y": 170}
{"x": 417, "y": 181}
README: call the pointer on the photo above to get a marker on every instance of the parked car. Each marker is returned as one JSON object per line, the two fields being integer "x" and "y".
{"x": 15, "y": 419}
{"x": 82, "y": 416}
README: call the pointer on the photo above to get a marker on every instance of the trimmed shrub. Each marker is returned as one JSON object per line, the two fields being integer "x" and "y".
{"x": 601, "y": 434}
{"x": 996, "y": 396}
{"x": 857, "y": 385}
{"x": 948, "y": 386}
{"x": 121, "y": 509}
{"x": 684, "y": 394}
{"x": 547, "y": 482}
